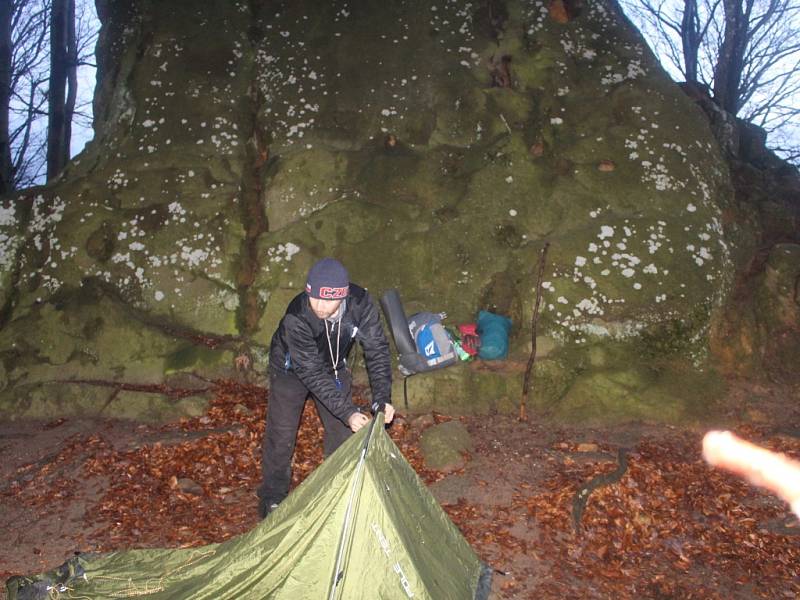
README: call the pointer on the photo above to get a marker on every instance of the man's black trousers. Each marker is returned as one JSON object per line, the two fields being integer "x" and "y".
{"x": 287, "y": 397}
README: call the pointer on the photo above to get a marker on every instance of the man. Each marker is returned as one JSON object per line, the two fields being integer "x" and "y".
{"x": 308, "y": 355}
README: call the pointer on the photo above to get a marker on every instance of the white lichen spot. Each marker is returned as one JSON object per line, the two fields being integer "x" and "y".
{"x": 606, "y": 231}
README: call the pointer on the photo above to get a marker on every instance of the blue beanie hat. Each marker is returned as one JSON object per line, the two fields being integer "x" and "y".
{"x": 328, "y": 280}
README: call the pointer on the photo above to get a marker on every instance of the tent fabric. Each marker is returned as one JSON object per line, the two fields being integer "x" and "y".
{"x": 362, "y": 525}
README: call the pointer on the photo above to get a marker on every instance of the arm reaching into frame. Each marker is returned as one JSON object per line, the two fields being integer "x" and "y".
{"x": 761, "y": 467}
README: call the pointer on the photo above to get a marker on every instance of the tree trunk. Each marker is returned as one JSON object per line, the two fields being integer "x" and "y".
{"x": 728, "y": 70}
{"x": 57, "y": 91}
{"x": 72, "y": 80}
{"x": 6, "y": 174}
{"x": 690, "y": 40}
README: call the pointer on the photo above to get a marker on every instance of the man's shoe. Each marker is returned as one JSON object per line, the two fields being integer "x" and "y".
{"x": 265, "y": 508}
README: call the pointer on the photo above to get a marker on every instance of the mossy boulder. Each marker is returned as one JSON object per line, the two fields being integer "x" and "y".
{"x": 237, "y": 144}
{"x": 777, "y": 311}
{"x": 443, "y": 445}
{"x": 479, "y": 388}
{"x": 778, "y": 297}
{"x": 669, "y": 393}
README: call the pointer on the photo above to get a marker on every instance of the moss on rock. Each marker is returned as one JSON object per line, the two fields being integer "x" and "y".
{"x": 237, "y": 145}
{"x": 670, "y": 393}
{"x": 55, "y": 400}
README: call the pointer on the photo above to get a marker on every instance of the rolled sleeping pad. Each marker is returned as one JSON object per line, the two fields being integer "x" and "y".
{"x": 410, "y": 361}
{"x": 398, "y": 323}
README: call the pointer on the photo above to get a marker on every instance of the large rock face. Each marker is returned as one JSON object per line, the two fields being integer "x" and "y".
{"x": 431, "y": 146}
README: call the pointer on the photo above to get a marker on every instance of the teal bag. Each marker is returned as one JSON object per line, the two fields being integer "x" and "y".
{"x": 493, "y": 330}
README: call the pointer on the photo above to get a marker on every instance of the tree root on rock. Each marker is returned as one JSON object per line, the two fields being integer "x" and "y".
{"x": 163, "y": 324}
{"x": 147, "y": 388}
{"x": 581, "y": 497}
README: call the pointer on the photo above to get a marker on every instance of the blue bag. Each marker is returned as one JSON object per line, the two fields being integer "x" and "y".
{"x": 493, "y": 330}
{"x": 434, "y": 344}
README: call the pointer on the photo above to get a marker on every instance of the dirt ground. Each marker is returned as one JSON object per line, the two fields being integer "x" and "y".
{"x": 662, "y": 526}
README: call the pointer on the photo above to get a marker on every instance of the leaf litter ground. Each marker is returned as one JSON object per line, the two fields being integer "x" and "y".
{"x": 669, "y": 527}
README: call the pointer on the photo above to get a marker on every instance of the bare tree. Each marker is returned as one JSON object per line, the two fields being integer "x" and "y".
{"x": 27, "y": 111}
{"x": 26, "y": 90}
{"x": 745, "y": 52}
{"x": 6, "y": 184}
{"x": 22, "y": 92}
{"x": 680, "y": 32}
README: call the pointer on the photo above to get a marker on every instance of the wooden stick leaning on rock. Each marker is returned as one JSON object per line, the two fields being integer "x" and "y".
{"x": 526, "y": 382}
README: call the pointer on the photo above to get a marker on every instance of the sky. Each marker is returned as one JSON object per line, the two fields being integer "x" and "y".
{"x": 83, "y": 135}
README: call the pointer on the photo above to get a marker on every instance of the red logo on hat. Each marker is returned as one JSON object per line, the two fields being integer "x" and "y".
{"x": 332, "y": 293}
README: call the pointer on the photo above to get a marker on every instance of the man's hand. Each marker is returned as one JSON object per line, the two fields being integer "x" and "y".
{"x": 760, "y": 466}
{"x": 388, "y": 411}
{"x": 357, "y": 420}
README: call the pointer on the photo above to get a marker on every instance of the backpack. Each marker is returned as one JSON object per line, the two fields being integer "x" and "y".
{"x": 433, "y": 342}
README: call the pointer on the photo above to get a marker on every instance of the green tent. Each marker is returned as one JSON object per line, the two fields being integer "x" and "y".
{"x": 362, "y": 525}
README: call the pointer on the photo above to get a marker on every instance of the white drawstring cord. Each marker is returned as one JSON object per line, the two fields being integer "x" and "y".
{"x": 334, "y": 361}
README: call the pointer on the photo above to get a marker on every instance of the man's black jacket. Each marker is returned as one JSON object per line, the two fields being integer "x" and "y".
{"x": 300, "y": 345}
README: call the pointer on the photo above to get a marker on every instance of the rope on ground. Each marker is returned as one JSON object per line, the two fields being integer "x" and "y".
{"x": 581, "y": 497}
